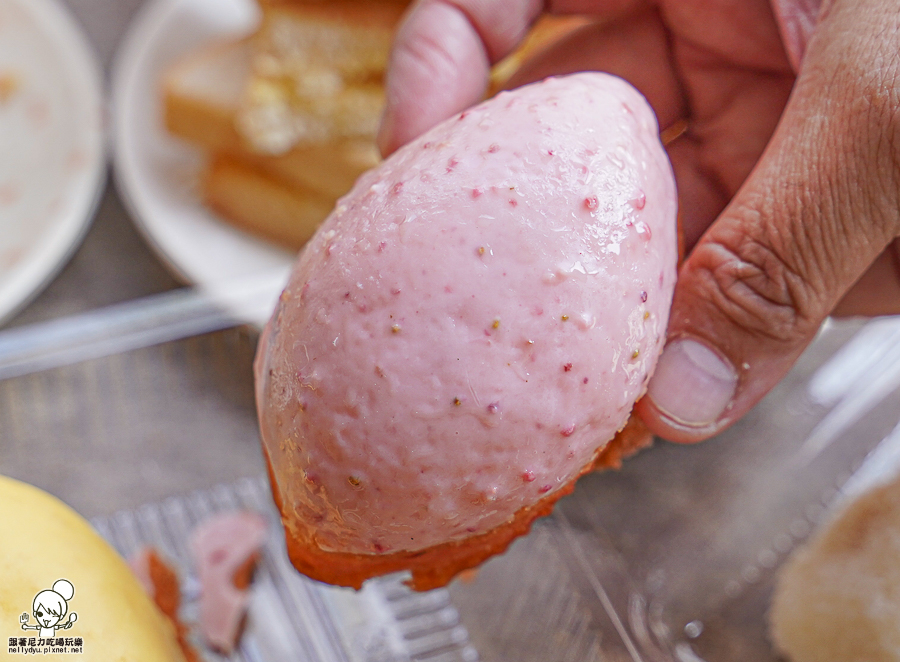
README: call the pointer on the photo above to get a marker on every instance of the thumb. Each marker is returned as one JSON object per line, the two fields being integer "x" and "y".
{"x": 822, "y": 203}
{"x": 441, "y": 58}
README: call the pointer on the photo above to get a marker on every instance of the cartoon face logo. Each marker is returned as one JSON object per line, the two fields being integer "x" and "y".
{"x": 49, "y": 608}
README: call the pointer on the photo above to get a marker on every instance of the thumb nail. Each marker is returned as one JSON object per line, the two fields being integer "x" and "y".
{"x": 692, "y": 385}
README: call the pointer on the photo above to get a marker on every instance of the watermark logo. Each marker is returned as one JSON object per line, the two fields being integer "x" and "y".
{"x": 51, "y": 612}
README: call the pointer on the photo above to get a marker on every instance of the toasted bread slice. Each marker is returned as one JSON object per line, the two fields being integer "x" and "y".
{"x": 200, "y": 101}
{"x": 201, "y": 93}
{"x": 261, "y": 205}
{"x": 318, "y": 70}
{"x": 352, "y": 38}
{"x": 329, "y": 168}
{"x": 278, "y": 113}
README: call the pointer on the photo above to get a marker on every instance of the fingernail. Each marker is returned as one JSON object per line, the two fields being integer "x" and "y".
{"x": 692, "y": 385}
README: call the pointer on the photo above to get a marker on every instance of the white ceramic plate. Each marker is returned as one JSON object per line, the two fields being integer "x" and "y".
{"x": 52, "y": 158}
{"x": 156, "y": 174}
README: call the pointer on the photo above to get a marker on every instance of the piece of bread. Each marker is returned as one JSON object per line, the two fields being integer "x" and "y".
{"x": 201, "y": 94}
{"x": 281, "y": 198}
{"x": 313, "y": 69}
{"x": 160, "y": 581}
{"x": 441, "y": 368}
{"x": 261, "y": 205}
{"x": 328, "y": 168}
{"x": 52, "y": 561}
{"x": 317, "y": 72}
{"x": 351, "y": 37}
{"x": 838, "y": 596}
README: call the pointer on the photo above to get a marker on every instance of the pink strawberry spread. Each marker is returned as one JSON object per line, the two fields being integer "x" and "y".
{"x": 225, "y": 547}
{"x": 473, "y": 322}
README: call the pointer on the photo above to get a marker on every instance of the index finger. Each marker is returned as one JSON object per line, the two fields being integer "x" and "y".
{"x": 443, "y": 52}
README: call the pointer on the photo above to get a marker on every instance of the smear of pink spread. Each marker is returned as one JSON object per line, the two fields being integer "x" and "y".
{"x": 221, "y": 545}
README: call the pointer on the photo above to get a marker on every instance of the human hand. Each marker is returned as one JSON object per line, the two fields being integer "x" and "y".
{"x": 789, "y": 187}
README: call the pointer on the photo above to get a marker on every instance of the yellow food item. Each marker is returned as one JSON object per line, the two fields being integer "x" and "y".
{"x": 45, "y": 546}
{"x": 280, "y": 197}
{"x": 261, "y": 205}
{"x": 317, "y": 72}
{"x": 838, "y": 596}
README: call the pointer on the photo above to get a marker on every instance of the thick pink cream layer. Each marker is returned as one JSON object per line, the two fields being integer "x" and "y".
{"x": 473, "y": 321}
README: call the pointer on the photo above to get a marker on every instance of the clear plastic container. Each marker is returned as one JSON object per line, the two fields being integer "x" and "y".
{"x": 674, "y": 557}
{"x": 671, "y": 558}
